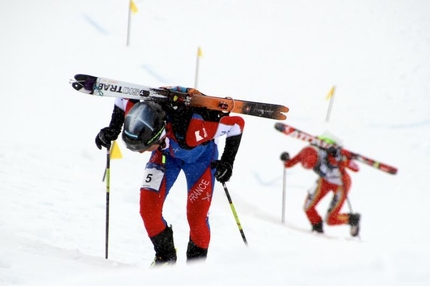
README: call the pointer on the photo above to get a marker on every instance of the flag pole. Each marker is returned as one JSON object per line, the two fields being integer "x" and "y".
{"x": 129, "y": 22}
{"x": 331, "y": 96}
{"x": 199, "y": 54}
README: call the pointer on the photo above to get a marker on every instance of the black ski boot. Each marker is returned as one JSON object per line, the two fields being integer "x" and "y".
{"x": 165, "y": 252}
{"x": 354, "y": 222}
{"x": 195, "y": 253}
{"x": 318, "y": 227}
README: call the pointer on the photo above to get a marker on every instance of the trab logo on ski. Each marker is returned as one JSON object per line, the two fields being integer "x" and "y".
{"x": 121, "y": 89}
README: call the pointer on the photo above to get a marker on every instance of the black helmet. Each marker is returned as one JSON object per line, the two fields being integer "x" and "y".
{"x": 143, "y": 126}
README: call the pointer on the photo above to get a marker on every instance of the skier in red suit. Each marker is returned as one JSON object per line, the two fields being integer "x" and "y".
{"x": 330, "y": 166}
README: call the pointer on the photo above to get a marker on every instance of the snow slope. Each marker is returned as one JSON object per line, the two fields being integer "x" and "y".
{"x": 52, "y": 206}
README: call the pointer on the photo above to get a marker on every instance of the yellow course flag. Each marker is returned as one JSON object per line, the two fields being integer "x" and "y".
{"x": 199, "y": 52}
{"x": 330, "y": 93}
{"x": 133, "y": 7}
{"x": 115, "y": 152}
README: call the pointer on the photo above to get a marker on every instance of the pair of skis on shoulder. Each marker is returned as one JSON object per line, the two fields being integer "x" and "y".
{"x": 299, "y": 134}
{"x": 100, "y": 86}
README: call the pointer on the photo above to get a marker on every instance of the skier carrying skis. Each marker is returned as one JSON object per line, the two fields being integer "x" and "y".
{"x": 330, "y": 165}
{"x": 180, "y": 138}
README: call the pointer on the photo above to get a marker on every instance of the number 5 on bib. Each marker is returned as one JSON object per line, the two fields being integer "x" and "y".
{"x": 152, "y": 178}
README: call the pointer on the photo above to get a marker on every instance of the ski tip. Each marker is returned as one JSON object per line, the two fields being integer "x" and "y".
{"x": 77, "y": 86}
{"x": 79, "y": 77}
{"x": 84, "y": 83}
{"x": 82, "y": 77}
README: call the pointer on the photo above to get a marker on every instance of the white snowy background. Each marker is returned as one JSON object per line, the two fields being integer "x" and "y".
{"x": 52, "y": 198}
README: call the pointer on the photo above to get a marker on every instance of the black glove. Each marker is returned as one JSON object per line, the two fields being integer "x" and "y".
{"x": 223, "y": 172}
{"x": 224, "y": 167}
{"x": 108, "y": 134}
{"x": 285, "y": 156}
{"x": 104, "y": 138}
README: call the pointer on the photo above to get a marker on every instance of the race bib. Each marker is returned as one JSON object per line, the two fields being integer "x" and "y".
{"x": 152, "y": 179}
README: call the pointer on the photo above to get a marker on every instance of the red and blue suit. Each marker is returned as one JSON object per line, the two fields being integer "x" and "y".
{"x": 190, "y": 145}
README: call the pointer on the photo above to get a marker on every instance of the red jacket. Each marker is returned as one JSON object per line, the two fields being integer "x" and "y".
{"x": 325, "y": 165}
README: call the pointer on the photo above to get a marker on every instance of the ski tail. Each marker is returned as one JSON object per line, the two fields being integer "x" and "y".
{"x": 259, "y": 109}
{"x": 299, "y": 134}
{"x": 371, "y": 162}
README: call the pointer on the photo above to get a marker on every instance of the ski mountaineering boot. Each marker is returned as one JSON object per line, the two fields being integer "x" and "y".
{"x": 165, "y": 252}
{"x": 354, "y": 222}
{"x": 318, "y": 227}
{"x": 195, "y": 253}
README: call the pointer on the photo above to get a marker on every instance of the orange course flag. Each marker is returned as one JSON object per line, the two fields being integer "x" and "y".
{"x": 133, "y": 7}
{"x": 330, "y": 93}
{"x": 115, "y": 152}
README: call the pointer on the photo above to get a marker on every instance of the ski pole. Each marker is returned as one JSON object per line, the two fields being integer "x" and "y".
{"x": 351, "y": 211}
{"x": 346, "y": 195}
{"x": 284, "y": 184}
{"x": 107, "y": 202}
{"x": 349, "y": 203}
{"x": 234, "y": 213}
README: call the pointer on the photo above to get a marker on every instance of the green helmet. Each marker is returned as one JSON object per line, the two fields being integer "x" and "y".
{"x": 327, "y": 139}
{"x": 330, "y": 138}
